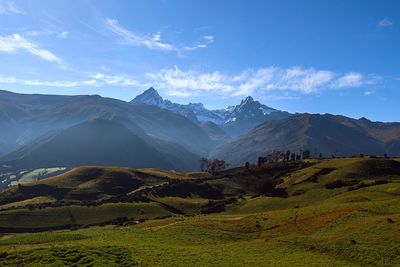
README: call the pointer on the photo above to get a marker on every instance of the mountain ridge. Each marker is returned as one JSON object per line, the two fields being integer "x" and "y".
{"x": 235, "y": 120}
{"x": 330, "y": 135}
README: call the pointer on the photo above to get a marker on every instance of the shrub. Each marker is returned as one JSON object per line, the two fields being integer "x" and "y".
{"x": 340, "y": 183}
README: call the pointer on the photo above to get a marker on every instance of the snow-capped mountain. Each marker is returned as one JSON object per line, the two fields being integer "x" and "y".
{"x": 234, "y": 119}
{"x": 248, "y": 109}
{"x": 194, "y": 111}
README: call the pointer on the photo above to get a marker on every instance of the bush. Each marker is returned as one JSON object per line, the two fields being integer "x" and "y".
{"x": 340, "y": 183}
{"x": 362, "y": 184}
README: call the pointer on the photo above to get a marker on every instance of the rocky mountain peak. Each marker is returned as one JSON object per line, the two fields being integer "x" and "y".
{"x": 149, "y": 97}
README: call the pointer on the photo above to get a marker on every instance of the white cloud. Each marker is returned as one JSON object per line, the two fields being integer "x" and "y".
{"x": 94, "y": 80}
{"x": 177, "y": 79}
{"x": 178, "y": 93}
{"x": 36, "y": 33}
{"x": 181, "y": 83}
{"x": 367, "y": 93}
{"x": 67, "y": 84}
{"x": 8, "y": 7}
{"x": 385, "y": 23}
{"x": 153, "y": 41}
{"x": 14, "y": 43}
{"x": 63, "y": 35}
{"x": 351, "y": 79}
{"x": 203, "y": 43}
{"x": 296, "y": 79}
{"x": 117, "y": 80}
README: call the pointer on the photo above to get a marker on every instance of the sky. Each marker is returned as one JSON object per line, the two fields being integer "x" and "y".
{"x": 339, "y": 57}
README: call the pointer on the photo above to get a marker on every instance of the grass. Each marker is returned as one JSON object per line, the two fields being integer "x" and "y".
{"x": 174, "y": 174}
{"x": 326, "y": 230}
{"x": 79, "y": 215}
{"x": 313, "y": 227}
{"x": 71, "y": 256}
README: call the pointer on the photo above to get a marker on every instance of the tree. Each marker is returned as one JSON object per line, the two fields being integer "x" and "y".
{"x": 293, "y": 156}
{"x": 320, "y": 155}
{"x": 260, "y": 161}
{"x": 306, "y": 154}
{"x": 218, "y": 165}
{"x": 247, "y": 165}
{"x": 204, "y": 164}
{"x": 287, "y": 155}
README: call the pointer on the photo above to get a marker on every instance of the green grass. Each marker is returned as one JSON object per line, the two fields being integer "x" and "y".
{"x": 71, "y": 256}
{"x": 259, "y": 231}
{"x": 79, "y": 215}
{"x": 314, "y": 227}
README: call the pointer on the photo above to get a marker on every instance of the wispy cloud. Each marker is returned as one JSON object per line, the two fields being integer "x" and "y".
{"x": 153, "y": 41}
{"x": 131, "y": 38}
{"x": 181, "y": 83}
{"x": 367, "y": 93}
{"x": 203, "y": 43}
{"x": 297, "y": 79}
{"x": 59, "y": 34}
{"x": 15, "y": 43}
{"x": 352, "y": 79}
{"x": 385, "y": 23}
{"x": 63, "y": 35}
{"x": 93, "y": 80}
{"x": 8, "y": 7}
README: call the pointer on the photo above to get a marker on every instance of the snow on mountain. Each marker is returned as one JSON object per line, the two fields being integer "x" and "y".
{"x": 194, "y": 111}
{"x": 249, "y": 111}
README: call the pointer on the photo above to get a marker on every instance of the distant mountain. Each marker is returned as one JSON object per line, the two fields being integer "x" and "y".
{"x": 235, "y": 120}
{"x": 326, "y": 134}
{"x": 152, "y": 98}
{"x": 248, "y": 114}
{"x": 98, "y": 142}
{"x": 24, "y": 118}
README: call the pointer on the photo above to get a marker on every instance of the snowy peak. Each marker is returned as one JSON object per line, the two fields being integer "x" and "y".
{"x": 149, "y": 97}
{"x": 248, "y": 113}
{"x": 248, "y": 108}
{"x": 247, "y": 100}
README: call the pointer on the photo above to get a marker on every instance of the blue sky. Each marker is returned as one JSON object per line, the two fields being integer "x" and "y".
{"x": 339, "y": 57}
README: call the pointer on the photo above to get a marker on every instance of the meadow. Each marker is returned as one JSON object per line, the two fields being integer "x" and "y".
{"x": 313, "y": 226}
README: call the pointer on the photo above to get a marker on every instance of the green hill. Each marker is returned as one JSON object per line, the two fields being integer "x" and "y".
{"x": 232, "y": 218}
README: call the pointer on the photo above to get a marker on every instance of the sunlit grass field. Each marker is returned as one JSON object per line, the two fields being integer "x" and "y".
{"x": 313, "y": 226}
{"x": 357, "y": 228}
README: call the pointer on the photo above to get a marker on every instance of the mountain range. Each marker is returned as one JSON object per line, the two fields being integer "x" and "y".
{"x": 234, "y": 120}
{"x": 49, "y": 130}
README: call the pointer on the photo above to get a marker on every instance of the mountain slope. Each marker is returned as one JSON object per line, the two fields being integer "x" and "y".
{"x": 97, "y": 142}
{"x": 24, "y": 118}
{"x": 326, "y": 134}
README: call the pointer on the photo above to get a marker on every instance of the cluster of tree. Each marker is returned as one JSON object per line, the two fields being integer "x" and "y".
{"x": 212, "y": 165}
{"x": 282, "y": 156}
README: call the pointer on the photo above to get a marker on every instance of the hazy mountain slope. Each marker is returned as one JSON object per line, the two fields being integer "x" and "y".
{"x": 26, "y": 117}
{"x": 324, "y": 134}
{"x": 215, "y": 132}
{"x": 97, "y": 142}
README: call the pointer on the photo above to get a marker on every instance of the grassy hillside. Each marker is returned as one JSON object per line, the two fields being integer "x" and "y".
{"x": 313, "y": 225}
